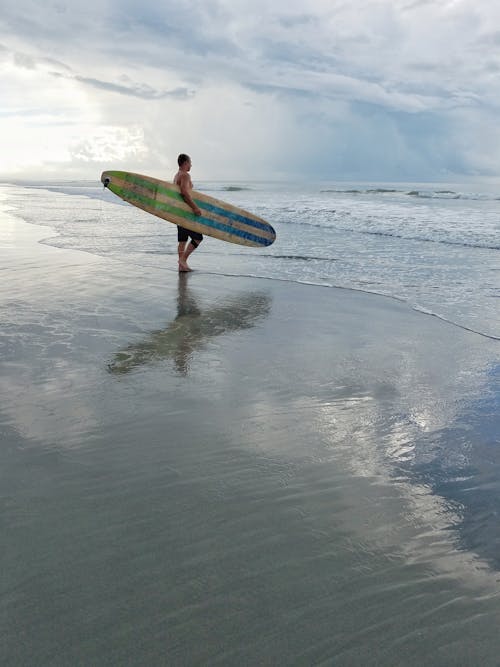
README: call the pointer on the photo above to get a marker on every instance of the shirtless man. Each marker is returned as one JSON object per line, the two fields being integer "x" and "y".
{"x": 183, "y": 180}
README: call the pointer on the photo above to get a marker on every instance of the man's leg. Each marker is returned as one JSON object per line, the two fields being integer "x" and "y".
{"x": 181, "y": 250}
{"x": 191, "y": 248}
{"x": 196, "y": 239}
{"x": 182, "y": 239}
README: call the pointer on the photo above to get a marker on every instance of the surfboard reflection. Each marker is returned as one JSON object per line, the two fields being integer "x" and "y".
{"x": 191, "y": 329}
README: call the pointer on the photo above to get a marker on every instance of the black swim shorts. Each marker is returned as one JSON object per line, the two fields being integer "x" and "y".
{"x": 183, "y": 235}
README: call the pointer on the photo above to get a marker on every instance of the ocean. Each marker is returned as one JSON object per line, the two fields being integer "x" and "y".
{"x": 434, "y": 246}
{"x": 289, "y": 456}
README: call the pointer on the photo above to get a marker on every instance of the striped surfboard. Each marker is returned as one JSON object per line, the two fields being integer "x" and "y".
{"x": 218, "y": 219}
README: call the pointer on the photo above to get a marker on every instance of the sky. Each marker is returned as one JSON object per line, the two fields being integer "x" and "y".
{"x": 381, "y": 90}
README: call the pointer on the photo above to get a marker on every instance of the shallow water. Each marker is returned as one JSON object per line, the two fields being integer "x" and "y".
{"x": 203, "y": 470}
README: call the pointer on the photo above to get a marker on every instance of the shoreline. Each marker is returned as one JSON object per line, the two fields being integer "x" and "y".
{"x": 441, "y": 269}
{"x": 43, "y": 240}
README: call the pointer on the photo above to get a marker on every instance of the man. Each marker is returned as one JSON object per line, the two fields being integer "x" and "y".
{"x": 183, "y": 180}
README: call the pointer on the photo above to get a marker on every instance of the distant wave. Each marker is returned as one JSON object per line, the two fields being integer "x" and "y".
{"x": 224, "y": 188}
{"x": 369, "y": 191}
{"x": 345, "y": 192}
{"x": 440, "y": 194}
{"x": 425, "y": 239}
{"x": 424, "y": 194}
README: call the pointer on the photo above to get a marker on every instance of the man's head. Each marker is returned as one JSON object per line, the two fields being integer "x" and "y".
{"x": 184, "y": 162}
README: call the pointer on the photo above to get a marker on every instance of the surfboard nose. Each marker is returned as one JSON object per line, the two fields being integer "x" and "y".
{"x": 105, "y": 178}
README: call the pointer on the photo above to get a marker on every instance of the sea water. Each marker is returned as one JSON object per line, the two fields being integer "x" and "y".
{"x": 434, "y": 246}
{"x": 325, "y": 503}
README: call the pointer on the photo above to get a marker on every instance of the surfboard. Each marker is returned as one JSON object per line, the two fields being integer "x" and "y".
{"x": 218, "y": 219}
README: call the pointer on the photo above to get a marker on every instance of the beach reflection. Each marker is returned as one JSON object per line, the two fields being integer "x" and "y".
{"x": 192, "y": 328}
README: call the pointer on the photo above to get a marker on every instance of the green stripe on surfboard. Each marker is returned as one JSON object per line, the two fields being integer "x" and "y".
{"x": 127, "y": 194}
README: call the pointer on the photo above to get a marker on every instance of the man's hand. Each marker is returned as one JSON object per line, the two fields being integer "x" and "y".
{"x": 196, "y": 210}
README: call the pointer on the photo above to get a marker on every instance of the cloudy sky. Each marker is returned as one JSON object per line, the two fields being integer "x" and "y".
{"x": 330, "y": 89}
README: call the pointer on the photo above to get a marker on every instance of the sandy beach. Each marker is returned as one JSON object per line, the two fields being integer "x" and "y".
{"x": 199, "y": 469}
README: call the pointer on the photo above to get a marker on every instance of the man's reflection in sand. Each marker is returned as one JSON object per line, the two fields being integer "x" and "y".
{"x": 192, "y": 328}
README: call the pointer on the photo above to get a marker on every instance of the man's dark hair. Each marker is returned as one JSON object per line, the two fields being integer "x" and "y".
{"x": 182, "y": 158}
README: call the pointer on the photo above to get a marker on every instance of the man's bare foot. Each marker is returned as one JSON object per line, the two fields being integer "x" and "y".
{"x": 183, "y": 267}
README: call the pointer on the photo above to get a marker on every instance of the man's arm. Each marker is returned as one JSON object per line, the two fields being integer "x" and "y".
{"x": 185, "y": 186}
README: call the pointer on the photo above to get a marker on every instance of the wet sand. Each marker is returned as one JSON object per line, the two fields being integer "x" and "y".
{"x": 199, "y": 469}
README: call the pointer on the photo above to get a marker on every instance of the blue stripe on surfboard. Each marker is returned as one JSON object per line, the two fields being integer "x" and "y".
{"x": 234, "y": 231}
{"x": 217, "y": 210}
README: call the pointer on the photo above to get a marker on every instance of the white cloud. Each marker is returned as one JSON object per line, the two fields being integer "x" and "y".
{"x": 267, "y": 88}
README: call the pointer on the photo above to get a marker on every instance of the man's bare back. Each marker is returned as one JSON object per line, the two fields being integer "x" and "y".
{"x": 183, "y": 179}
